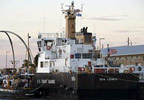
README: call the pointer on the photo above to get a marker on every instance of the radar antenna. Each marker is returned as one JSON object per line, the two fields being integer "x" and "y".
{"x": 71, "y": 9}
{"x": 70, "y": 16}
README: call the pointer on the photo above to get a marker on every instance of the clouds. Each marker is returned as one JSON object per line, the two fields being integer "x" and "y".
{"x": 104, "y": 19}
{"x": 127, "y": 31}
{"x": 108, "y": 18}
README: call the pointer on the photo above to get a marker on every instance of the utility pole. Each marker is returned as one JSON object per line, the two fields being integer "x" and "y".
{"x": 128, "y": 41}
{"x": 100, "y": 42}
{"x": 107, "y": 46}
{"x": 44, "y": 24}
{"x": 102, "y": 46}
{"x": 28, "y": 48}
{"x": 6, "y": 58}
{"x": 108, "y": 50}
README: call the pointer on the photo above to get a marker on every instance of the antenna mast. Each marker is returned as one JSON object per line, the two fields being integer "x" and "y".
{"x": 70, "y": 16}
{"x": 128, "y": 41}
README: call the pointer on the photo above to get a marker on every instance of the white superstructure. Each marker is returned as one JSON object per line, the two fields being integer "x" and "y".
{"x": 63, "y": 54}
{"x": 69, "y": 55}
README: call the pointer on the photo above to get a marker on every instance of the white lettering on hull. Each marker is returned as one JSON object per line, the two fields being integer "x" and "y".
{"x": 45, "y": 81}
{"x": 108, "y": 79}
{"x": 73, "y": 78}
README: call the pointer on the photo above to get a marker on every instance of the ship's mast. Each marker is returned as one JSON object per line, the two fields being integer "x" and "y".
{"x": 70, "y": 16}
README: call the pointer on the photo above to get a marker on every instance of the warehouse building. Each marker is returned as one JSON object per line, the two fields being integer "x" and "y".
{"x": 125, "y": 55}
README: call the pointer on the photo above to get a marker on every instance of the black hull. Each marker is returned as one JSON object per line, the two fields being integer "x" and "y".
{"x": 99, "y": 86}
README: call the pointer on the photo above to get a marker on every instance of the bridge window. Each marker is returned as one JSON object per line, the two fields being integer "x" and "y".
{"x": 39, "y": 49}
{"x": 77, "y": 55}
{"x": 48, "y": 43}
{"x": 87, "y": 55}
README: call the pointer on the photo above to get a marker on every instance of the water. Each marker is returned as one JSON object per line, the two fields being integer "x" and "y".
{"x": 56, "y": 99}
{"x": 66, "y": 99}
{"x": 52, "y": 98}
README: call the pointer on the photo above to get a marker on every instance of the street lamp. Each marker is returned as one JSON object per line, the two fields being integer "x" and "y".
{"x": 100, "y": 42}
{"x": 6, "y": 58}
{"x": 28, "y": 48}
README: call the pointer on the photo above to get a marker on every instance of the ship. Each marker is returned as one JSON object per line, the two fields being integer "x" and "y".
{"x": 16, "y": 86}
{"x": 66, "y": 66}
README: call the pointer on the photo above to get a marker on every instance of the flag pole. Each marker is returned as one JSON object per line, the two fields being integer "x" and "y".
{"x": 108, "y": 50}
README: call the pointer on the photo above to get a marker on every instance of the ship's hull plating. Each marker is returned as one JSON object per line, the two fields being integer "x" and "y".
{"x": 101, "y": 86}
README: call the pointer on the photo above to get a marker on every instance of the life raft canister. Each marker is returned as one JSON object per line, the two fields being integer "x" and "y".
{"x": 139, "y": 69}
{"x": 48, "y": 47}
{"x": 132, "y": 69}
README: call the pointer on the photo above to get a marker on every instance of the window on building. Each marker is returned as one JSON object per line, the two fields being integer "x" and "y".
{"x": 128, "y": 57}
{"x": 131, "y": 56}
{"x": 123, "y": 58}
{"x": 143, "y": 58}
{"x": 119, "y": 57}
{"x": 113, "y": 58}
{"x": 41, "y": 64}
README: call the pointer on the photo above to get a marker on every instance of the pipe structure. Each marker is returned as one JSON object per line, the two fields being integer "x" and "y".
{"x": 7, "y": 33}
{"x": 11, "y": 43}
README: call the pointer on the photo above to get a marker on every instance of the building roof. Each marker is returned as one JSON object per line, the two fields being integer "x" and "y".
{"x": 125, "y": 50}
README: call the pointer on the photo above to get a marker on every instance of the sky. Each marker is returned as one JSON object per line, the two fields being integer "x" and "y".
{"x": 114, "y": 20}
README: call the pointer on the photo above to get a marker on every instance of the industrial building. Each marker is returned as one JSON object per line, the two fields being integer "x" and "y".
{"x": 125, "y": 55}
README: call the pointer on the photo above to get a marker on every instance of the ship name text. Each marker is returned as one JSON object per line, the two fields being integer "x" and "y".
{"x": 45, "y": 81}
{"x": 108, "y": 79}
